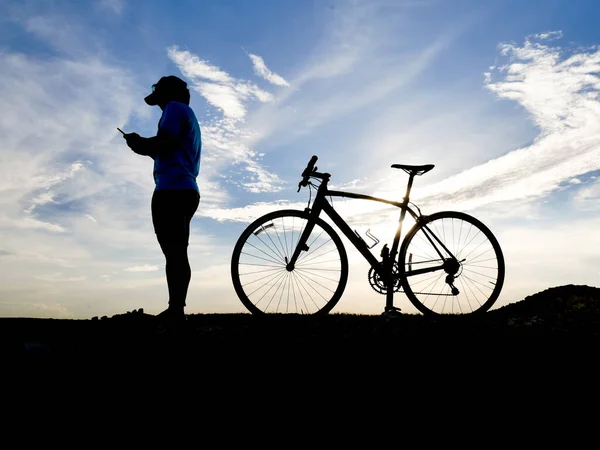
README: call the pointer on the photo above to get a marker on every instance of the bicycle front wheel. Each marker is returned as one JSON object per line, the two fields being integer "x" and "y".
{"x": 259, "y": 266}
{"x": 467, "y": 256}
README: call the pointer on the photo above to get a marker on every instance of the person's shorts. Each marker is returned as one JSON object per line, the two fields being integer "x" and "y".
{"x": 172, "y": 212}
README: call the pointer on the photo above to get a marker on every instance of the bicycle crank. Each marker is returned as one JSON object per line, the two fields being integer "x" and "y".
{"x": 379, "y": 285}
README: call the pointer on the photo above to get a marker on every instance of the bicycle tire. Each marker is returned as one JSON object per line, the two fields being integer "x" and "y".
{"x": 490, "y": 275}
{"x": 271, "y": 253}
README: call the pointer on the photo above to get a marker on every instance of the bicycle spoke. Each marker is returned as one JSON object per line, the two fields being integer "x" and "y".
{"x": 305, "y": 276}
{"x": 273, "y": 242}
{"x": 478, "y": 273}
{"x": 259, "y": 257}
{"x": 293, "y": 278}
{"x": 469, "y": 254}
{"x": 453, "y": 242}
{"x": 296, "y": 275}
{"x": 310, "y": 252}
{"x": 481, "y": 254}
{"x": 443, "y": 231}
{"x": 427, "y": 246}
{"x": 433, "y": 283}
{"x": 465, "y": 292}
{"x": 486, "y": 260}
{"x": 263, "y": 252}
{"x": 308, "y": 263}
{"x": 429, "y": 294}
{"x": 300, "y": 296}
{"x": 275, "y": 293}
{"x": 318, "y": 256}
{"x": 267, "y": 245}
{"x": 275, "y": 276}
{"x": 435, "y": 275}
{"x": 473, "y": 293}
{"x": 259, "y": 271}
{"x": 285, "y": 237}
{"x": 313, "y": 241}
{"x": 471, "y": 240}
{"x": 288, "y": 292}
{"x": 483, "y": 267}
{"x": 269, "y": 290}
{"x": 317, "y": 275}
{"x": 279, "y": 239}
{"x": 260, "y": 265}
{"x": 282, "y": 291}
{"x": 477, "y": 283}
{"x": 300, "y": 233}
{"x": 478, "y": 276}
{"x": 460, "y": 233}
{"x": 258, "y": 279}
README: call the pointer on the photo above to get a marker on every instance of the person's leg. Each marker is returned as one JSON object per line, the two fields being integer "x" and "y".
{"x": 179, "y": 274}
{"x": 172, "y": 212}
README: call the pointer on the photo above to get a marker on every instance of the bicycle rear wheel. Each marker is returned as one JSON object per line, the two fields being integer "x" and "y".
{"x": 475, "y": 266}
{"x": 259, "y": 266}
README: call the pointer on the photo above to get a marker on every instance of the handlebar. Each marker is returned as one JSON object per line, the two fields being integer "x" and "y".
{"x": 310, "y": 168}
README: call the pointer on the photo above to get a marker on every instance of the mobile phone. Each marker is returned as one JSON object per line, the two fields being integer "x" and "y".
{"x": 122, "y": 132}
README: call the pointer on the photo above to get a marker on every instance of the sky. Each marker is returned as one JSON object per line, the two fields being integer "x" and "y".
{"x": 502, "y": 96}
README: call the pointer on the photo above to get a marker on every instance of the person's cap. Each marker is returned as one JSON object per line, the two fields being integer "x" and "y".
{"x": 165, "y": 86}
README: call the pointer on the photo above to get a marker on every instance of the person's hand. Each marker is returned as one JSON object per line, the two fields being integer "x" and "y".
{"x": 133, "y": 140}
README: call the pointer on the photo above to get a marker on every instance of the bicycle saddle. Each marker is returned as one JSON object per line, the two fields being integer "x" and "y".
{"x": 414, "y": 170}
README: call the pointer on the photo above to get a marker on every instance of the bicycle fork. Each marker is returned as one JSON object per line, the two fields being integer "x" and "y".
{"x": 302, "y": 242}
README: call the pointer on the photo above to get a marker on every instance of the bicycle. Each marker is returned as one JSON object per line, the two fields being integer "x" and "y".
{"x": 292, "y": 261}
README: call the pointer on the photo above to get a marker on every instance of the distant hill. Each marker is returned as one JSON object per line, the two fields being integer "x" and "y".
{"x": 572, "y": 309}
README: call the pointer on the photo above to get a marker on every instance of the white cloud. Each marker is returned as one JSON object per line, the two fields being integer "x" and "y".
{"x": 115, "y": 6}
{"x": 74, "y": 201}
{"x": 588, "y": 196}
{"x": 32, "y": 223}
{"x": 218, "y": 87}
{"x": 561, "y": 93}
{"x": 224, "y": 97}
{"x": 224, "y": 139}
{"x": 261, "y": 69}
{"x": 559, "y": 90}
{"x": 73, "y": 197}
{"x": 144, "y": 268}
{"x": 249, "y": 212}
{"x": 193, "y": 67}
{"x": 548, "y": 36}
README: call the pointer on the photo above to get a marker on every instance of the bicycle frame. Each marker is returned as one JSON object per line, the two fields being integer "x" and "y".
{"x": 321, "y": 204}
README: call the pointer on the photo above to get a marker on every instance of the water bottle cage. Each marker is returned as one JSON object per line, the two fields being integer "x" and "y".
{"x": 369, "y": 235}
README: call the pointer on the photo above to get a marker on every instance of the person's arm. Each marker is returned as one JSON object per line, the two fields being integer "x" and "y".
{"x": 165, "y": 141}
{"x": 162, "y": 144}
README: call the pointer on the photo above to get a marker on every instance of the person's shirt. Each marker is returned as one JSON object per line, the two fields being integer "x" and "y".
{"x": 180, "y": 169}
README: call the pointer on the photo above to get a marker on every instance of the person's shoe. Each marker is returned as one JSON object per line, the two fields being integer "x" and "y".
{"x": 171, "y": 316}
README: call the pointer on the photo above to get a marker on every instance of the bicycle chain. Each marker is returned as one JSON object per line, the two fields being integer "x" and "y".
{"x": 380, "y": 288}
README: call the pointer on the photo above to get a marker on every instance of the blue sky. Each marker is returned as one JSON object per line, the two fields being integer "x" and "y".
{"x": 502, "y": 96}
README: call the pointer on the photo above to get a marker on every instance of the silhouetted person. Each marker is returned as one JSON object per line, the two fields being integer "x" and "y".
{"x": 176, "y": 152}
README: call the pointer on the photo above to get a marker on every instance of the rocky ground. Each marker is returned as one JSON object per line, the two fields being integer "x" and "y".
{"x": 535, "y": 360}
{"x": 559, "y": 321}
